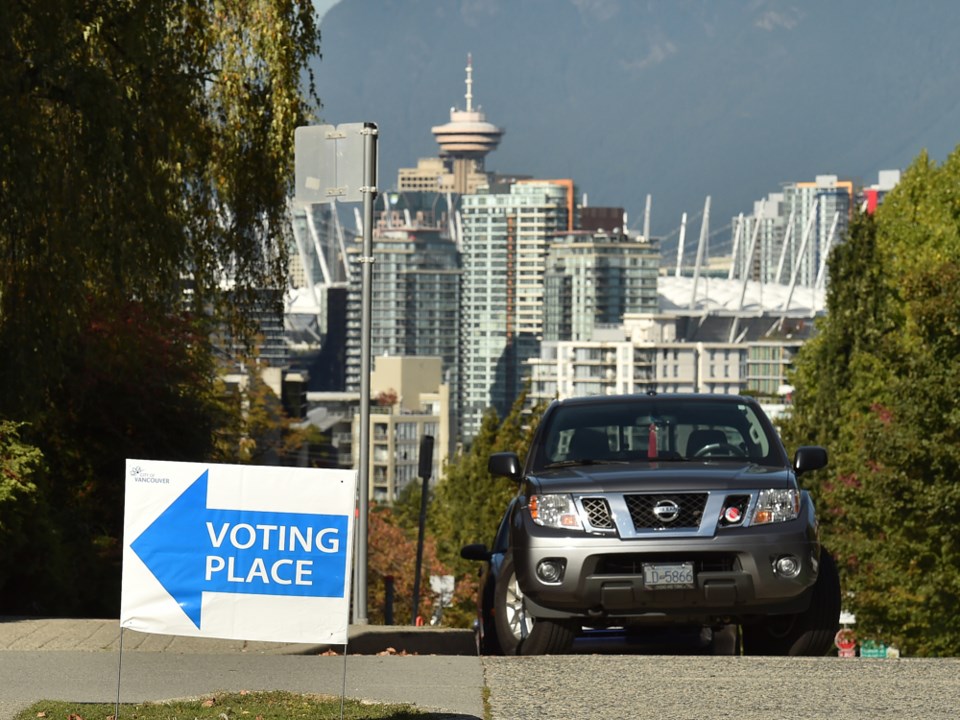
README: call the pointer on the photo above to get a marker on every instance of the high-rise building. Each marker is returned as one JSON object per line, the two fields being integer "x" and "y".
{"x": 593, "y": 278}
{"x": 872, "y": 196}
{"x": 822, "y": 211}
{"x": 506, "y": 233}
{"x": 764, "y": 232}
{"x": 791, "y": 233}
{"x": 415, "y": 297}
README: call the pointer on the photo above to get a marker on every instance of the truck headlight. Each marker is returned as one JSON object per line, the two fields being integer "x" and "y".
{"x": 556, "y": 511}
{"x": 776, "y": 506}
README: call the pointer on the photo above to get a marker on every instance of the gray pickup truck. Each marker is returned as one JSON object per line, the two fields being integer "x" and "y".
{"x": 645, "y": 511}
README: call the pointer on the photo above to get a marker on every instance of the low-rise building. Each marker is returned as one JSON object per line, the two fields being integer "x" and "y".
{"x": 410, "y": 401}
{"x": 673, "y": 353}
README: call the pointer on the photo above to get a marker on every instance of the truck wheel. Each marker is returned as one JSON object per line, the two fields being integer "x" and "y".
{"x": 520, "y": 633}
{"x": 809, "y": 633}
{"x": 487, "y": 641}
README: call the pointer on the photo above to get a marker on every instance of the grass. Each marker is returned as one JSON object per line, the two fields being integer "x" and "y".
{"x": 229, "y": 706}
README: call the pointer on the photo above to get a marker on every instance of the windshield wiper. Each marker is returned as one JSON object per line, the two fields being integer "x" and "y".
{"x": 584, "y": 461}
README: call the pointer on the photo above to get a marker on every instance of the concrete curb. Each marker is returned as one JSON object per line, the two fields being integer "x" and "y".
{"x": 21, "y": 633}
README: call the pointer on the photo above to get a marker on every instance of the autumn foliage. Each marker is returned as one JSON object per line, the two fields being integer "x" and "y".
{"x": 392, "y": 553}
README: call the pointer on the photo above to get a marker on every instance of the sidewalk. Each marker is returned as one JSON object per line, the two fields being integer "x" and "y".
{"x": 66, "y": 634}
{"x": 79, "y": 660}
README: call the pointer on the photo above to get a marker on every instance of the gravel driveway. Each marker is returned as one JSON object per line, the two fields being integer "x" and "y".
{"x": 588, "y": 687}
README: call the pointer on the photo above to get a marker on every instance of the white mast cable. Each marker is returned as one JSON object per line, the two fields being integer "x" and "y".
{"x": 307, "y": 269}
{"x": 646, "y": 220}
{"x": 800, "y": 257}
{"x": 704, "y": 225}
{"x": 822, "y": 272}
{"x": 787, "y": 239}
{"x": 315, "y": 236}
{"x": 683, "y": 233}
{"x": 749, "y": 259}
{"x": 302, "y": 252}
{"x": 736, "y": 246}
{"x": 340, "y": 241}
{"x": 358, "y": 221}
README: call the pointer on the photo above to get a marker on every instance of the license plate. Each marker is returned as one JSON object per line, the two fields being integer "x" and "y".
{"x": 663, "y": 576}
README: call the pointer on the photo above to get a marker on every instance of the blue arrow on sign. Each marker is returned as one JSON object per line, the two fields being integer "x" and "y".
{"x": 192, "y": 549}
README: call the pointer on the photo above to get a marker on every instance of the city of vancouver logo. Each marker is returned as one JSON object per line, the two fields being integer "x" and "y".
{"x": 138, "y": 474}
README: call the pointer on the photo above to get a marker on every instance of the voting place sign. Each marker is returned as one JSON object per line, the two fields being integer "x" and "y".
{"x": 236, "y": 551}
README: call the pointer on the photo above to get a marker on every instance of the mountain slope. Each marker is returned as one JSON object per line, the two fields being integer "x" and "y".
{"x": 678, "y": 99}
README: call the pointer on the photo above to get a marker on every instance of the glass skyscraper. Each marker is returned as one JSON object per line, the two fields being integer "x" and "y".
{"x": 506, "y": 234}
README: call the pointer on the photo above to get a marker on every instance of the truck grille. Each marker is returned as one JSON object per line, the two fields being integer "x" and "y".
{"x": 689, "y": 510}
{"x": 598, "y": 513}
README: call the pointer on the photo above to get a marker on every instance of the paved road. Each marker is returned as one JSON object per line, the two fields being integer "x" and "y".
{"x": 77, "y": 660}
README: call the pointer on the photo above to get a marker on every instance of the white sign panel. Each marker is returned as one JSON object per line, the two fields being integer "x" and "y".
{"x": 237, "y": 551}
{"x": 329, "y": 163}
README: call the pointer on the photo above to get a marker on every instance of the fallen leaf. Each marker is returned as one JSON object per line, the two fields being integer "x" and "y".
{"x": 208, "y": 703}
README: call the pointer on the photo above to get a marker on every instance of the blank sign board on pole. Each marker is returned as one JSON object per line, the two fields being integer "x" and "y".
{"x": 235, "y": 551}
{"x": 328, "y": 163}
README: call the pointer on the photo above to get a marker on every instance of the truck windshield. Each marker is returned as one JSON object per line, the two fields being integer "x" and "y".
{"x": 658, "y": 429}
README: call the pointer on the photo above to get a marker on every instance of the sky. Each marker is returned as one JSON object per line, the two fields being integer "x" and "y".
{"x": 323, "y": 5}
{"x": 676, "y": 98}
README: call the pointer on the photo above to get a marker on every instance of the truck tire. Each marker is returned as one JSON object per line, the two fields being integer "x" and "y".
{"x": 809, "y": 633}
{"x": 520, "y": 633}
{"x": 487, "y": 641}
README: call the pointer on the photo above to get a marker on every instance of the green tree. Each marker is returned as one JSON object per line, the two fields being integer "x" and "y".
{"x": 19, "y": 506}
{"x": 256, "y": 428}
{"x": 878, "y": 387}
{"x": 842, "y": 366}
{"x": 145, "y": 165}
{"x": 142, "y": 144}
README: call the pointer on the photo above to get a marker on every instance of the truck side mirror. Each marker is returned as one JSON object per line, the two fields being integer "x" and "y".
{"x": 809, "y": 458}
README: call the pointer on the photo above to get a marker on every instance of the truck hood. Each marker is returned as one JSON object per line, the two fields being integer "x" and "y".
{"x": 661, "y": 477}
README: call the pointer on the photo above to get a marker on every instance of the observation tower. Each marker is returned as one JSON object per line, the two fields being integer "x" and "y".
{"x": 467, "y": 139}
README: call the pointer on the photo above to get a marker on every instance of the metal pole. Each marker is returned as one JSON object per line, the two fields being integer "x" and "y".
{"x": 116, "y": 710}
{"x": 426, "y": 471}
{"x": 369, "y": 191}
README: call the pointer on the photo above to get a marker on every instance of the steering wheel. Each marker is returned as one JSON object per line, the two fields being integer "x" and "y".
{"x": 727, "y": 448}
